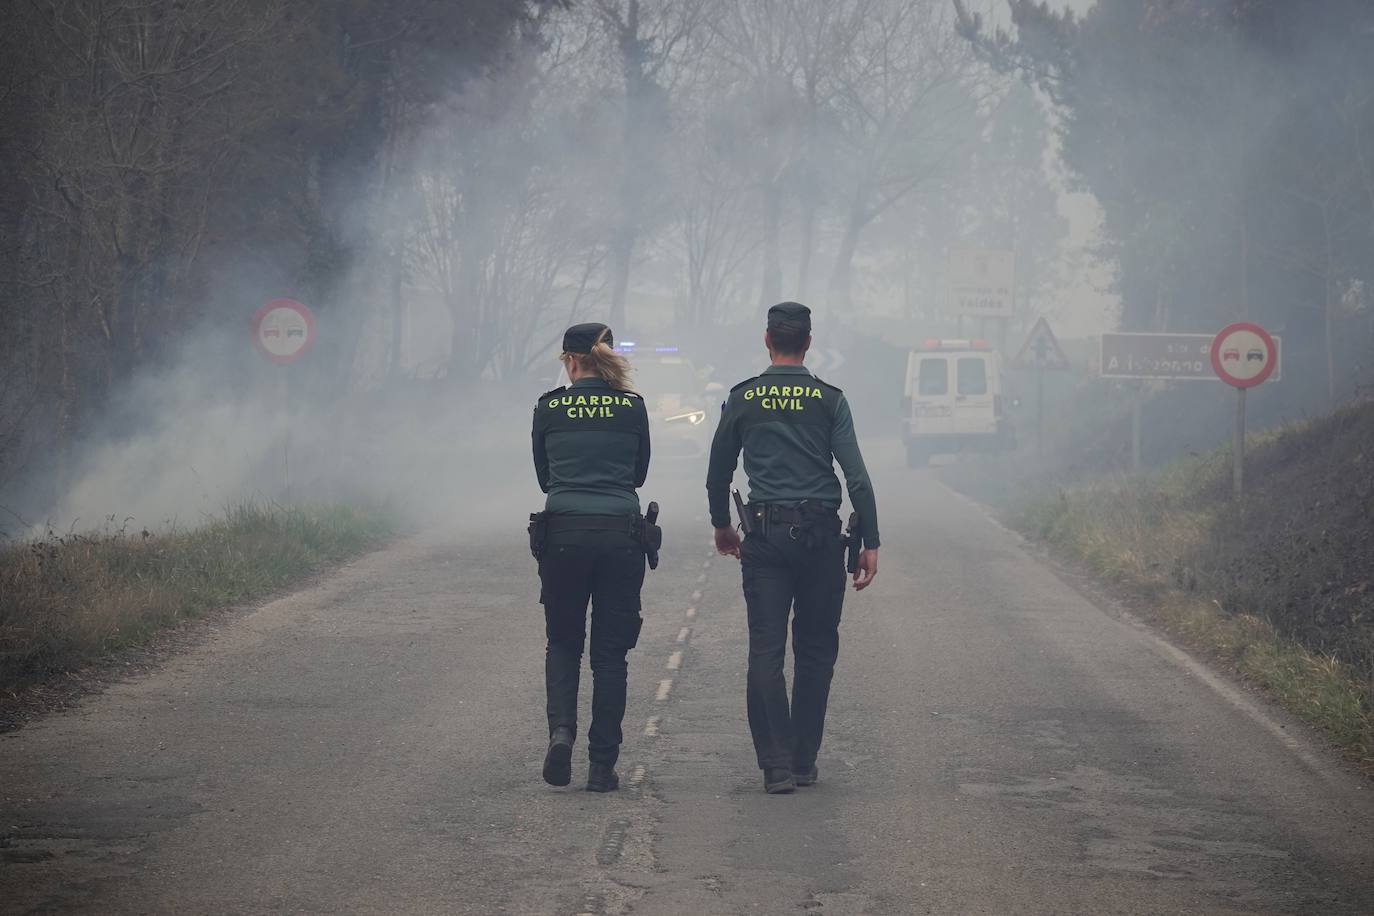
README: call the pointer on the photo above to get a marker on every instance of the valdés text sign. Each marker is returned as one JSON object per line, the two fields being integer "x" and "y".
{"x": 981, "y": 282}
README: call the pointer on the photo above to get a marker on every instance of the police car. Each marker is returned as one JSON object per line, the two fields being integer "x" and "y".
{"x": 677, "y": 397}
{"x": 953, "y": 401}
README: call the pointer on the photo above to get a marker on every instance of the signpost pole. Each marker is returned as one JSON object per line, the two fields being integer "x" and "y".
{"x": 1136, "y": 398}
{"x": 1243, "y": 355}
{"x": 283, "y": 330}
{"x": 1238, "y": 448}
{"x": 286, "y": 438}
{"x": 1040, "y": 412}
{"x": 1040, "y": 352}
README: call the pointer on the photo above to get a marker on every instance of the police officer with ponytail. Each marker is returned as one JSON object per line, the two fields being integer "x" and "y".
{"x": 591, "y": 454}
{"x": 792, "y": 428}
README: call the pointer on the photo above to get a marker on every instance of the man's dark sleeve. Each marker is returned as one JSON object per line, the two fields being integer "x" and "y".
{"x": 642, "y": 462}
{"x": 541, "y": 456}
{"x": 724, "y": 459}
{"x": 845, "y": 446}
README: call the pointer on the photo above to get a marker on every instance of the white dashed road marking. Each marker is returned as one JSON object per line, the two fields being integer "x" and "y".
{"x": 683, "y": 633}
{"x": 696, "y": 596}
{"x": 691, "y": 612}
{"x": 675, "y": 661}
{"x": 651, "y": 727}
{"x": 665, "y": 687}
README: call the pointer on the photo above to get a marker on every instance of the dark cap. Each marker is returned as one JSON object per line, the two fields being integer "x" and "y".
{"x": 580, "y": 338}
{"x": 790, "y": 316}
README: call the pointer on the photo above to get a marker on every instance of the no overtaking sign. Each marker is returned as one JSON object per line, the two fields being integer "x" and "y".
{"x": 283, "y": 330}
{"x": 1244, "y": 354}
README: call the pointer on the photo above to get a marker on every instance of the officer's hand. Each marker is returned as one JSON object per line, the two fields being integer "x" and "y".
{"x": 727, "y": 542}
{"x": 868, "y": 568}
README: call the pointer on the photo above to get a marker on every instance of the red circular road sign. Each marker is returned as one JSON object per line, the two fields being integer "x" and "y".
{"x": 1243, "y": 354}
{"x": 283, "y": 330}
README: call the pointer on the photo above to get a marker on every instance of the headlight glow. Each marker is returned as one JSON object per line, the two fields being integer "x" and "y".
{"x": 695, "y": 417}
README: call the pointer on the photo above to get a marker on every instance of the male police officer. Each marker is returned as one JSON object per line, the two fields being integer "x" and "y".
{"x": 791, "y": 426}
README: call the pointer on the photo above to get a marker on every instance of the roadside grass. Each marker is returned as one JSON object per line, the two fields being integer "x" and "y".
{"x": 68, "y": 600}
{"x": 1279, "y": 589}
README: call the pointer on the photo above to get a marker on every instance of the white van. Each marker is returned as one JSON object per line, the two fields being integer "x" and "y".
{"x": 953, "y": 401}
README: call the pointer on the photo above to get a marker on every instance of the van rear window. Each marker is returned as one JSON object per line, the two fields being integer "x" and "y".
{"x": 934, "y": 378}
{"x": 973, "y": 376}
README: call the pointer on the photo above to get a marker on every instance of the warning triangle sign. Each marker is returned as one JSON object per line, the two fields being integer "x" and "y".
{"x": 1041, "y": 350}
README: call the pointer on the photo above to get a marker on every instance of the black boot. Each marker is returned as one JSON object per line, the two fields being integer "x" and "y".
{"x": 601, "y": 777}
{"x": 558, "y": 760}
{"x": 778, "y": 781}
{"x": 806, "y": 776}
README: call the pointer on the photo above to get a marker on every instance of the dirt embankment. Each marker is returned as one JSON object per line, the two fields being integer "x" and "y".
{"x": 1301, "y": 551}
{"x": 1278, "y": 587}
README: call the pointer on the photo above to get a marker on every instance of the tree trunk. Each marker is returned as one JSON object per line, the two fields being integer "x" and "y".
{"x": 622, "y": 250}
{"x": 638, "y": 90}
{"x": 842, "y": 277}
{"x": 808, "y": 234}
{"x": 398, "y": 315}
{"x": 1329, "y": 307}
{"x": 770, "y": 290}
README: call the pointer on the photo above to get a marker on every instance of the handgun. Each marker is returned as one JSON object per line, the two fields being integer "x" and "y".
{"x": 854, "y": 542}
{"x": 653, "y": 535}
{"x": 746, "y": 524}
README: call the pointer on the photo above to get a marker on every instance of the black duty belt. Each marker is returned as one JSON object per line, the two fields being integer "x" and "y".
{"x": 630, "y": 524}
{"x": 783, "y": 514}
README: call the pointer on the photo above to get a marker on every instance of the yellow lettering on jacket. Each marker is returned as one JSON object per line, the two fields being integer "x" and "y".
{"x": 783, "y": 397}
{"x": 794, "y": 392}
{"x": 590, "y": 401}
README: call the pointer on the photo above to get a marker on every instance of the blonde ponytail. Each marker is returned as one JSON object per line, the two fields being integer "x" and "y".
{"x": 602, "y": 361}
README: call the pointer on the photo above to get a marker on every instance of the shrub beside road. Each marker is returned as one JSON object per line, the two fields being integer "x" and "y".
{"x": 69, "y": 600}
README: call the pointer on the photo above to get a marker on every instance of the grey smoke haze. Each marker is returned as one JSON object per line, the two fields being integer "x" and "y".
{"x": 496, "y": 224}
{"x": 826, "y": 150}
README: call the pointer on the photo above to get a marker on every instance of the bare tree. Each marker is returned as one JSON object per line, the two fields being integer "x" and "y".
{"x": 780, "y": 57}
{"x": 909, "y": 99}
{"x": 717, "y": 227}
{"x": 139, "y": 109}
{"x": 649, "y": 36}
{"x": 506, "y": 232}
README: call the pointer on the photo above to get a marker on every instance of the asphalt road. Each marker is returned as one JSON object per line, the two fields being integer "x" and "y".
{"x": 997, "y": 744}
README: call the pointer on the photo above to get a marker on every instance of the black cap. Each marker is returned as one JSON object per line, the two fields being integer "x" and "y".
{"x": 791, "y": 316}
{"x": 580, "y": 338}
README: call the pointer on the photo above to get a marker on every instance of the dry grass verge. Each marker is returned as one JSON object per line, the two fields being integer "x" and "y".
{"x": 66, "y": 601}
{"x": 1278, "y": 590}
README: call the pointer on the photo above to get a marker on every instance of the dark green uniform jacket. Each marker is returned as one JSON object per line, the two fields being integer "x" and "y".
{"x": 591, "y": 449}
{"x": 792, "y": 427}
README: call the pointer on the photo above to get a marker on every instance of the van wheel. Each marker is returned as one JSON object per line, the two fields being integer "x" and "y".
{"x": 917, "y": 456}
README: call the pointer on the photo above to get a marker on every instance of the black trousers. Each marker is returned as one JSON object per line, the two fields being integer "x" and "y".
{"x": 784, "y": 577}
{"x": 605, "y": 568}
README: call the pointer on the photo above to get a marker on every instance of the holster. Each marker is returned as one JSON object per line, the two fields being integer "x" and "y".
{"x": 650, "y": 535}
{"x": 539, "y": 533}
{"x": 853, "y": 540}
